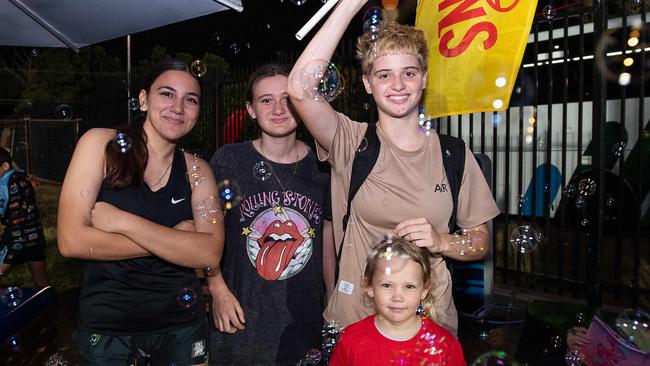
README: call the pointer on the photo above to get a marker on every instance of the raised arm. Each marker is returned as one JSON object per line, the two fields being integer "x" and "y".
{"x": 194, "y": 249}
{"x": 75, "y": 235}
{"x": 319, "y": 116}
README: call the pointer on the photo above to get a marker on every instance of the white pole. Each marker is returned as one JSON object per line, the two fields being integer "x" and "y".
{"x": 315, "y": 19}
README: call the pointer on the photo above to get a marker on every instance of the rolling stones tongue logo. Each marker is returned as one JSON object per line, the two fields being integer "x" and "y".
{"x": 277, "y": 246}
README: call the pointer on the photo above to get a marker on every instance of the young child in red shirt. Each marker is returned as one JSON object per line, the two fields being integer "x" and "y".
{"x": 397, "y": 279}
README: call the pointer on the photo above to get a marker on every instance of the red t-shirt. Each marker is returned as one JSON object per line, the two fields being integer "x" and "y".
{"x": 362, "y": 344}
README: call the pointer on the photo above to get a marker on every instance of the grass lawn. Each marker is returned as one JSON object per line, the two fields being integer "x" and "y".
{"x": 64, "y": 273}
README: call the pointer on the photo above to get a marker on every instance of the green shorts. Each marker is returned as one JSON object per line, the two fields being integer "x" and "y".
{"x": 185, "y": 346}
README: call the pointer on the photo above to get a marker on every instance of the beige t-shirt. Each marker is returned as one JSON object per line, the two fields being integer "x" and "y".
{"x": 402, "y": 185}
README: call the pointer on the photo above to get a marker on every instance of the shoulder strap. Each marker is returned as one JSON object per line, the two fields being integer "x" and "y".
{"x": 364, "y": 160}
{"x": 453, "y": 159}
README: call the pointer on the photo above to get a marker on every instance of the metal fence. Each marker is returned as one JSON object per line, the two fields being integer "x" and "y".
{"x": 570, "y": 155}
{"x": 41, "y": 147}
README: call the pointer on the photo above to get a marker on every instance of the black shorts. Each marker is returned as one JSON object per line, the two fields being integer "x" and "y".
{"x": 18, "y": 253}
{"x": 185, "y": 346}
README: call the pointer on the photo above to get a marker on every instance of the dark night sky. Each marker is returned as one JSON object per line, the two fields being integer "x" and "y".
{"x": 268, "y": 26}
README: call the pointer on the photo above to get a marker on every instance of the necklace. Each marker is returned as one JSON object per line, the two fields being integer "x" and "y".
{"x": 295, "y": 169}
{"x": 163, "y": 175}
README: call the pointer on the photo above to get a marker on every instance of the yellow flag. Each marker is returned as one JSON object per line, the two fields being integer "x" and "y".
{"x": 475, "y": 50}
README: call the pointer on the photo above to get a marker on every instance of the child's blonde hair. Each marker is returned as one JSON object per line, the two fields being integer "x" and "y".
{"x": 393, "y": 38}
{"x": 402, "y": 248}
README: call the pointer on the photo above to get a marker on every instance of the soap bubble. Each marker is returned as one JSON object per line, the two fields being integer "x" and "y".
{"x": 195, "y": 174}
{"x": 634, "y": 326}
{"x": 14, "y": 343}
{"x": 229, "y": 193}
{"x": 186, "y": 297}
{"x": 619, "y": 148}
{"x": 199, "y": 68}
{"x": 525, "y": 239}
{"x": 134, "y": 104}
{"x": 549, "y": 12}
{"x": 464, "y": 242}
{"x": 63, "y": 111}
{"x": 210, "y": 210}
{"x": 363, "y": 145}
{"x": 217, "y": 38}
{"x": 313, "y": 357}
{"x": 235, "y": 49}
{"x": 12, "y": 296}
{"x": 495, "y": 358}
{"x": 262, "y": 170}
{"x": 573, "y": 358}
{"x": 322, "y": 80}
{"x": 556, "y": 342}
{"x": 587, "y": 187}
{"x": 122, "y": 142}
{"x": 372, "y": 21}
{"x": 581, "y": 202}
{"x": 570, "y": 190}
{"x": 483, "y": 335}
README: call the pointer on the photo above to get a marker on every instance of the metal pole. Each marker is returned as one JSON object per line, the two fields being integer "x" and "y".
{"x": 595, "y": 234}
{"x": 128, "y": 79}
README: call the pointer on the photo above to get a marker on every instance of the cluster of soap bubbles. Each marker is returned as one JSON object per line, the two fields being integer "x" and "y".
{"x": 262, "y": 170}
{"x": 210, "y": 210}
{"x": 122, "y": 142}
{"x": 585, "y": 188}
{"x": 229, "y": 193}
{"x": 464, "y": 242}
{"x": 218, "y": 39}
{"x": 525, "y": 239}
{"x": 322, "y": 80}
{"x": 330, "y": 333}
{"x": 11, "y": 296}
{"x": 186, "y": 297}
{"x": 63, "y": 111}
{"x": 634, "y": 326}
{"x": 495, "y": 358}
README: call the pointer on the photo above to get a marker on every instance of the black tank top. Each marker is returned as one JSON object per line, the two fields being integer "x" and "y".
{"x": 144, "y": 295}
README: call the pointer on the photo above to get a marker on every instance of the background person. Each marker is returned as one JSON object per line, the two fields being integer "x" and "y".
{"x": 407, "y": 191}
{"x": 142, "y": 227}
{"x": 23, "y": 239}
{"x": 268, "y": 298}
